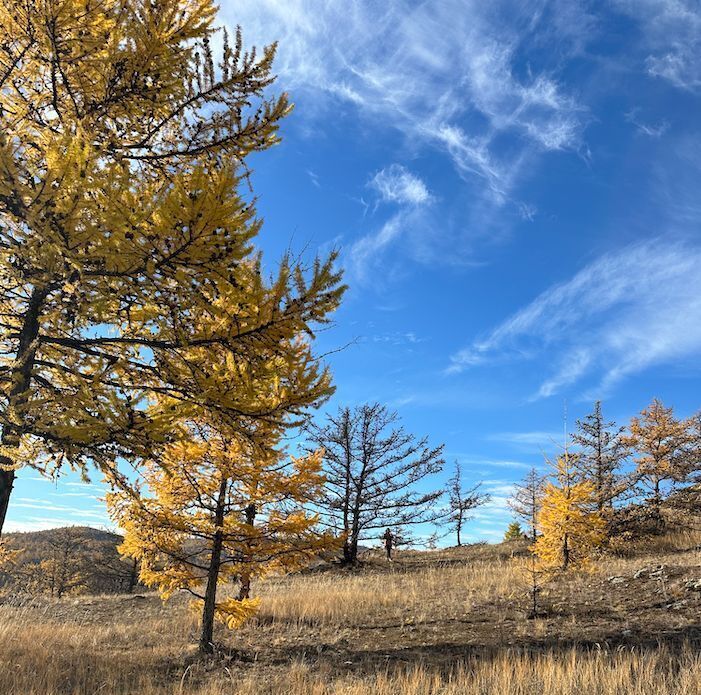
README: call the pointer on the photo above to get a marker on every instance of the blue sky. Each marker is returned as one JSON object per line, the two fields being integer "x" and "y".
{"x": 514, "y": 188}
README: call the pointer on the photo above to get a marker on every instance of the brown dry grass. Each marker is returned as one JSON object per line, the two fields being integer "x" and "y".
{"x": 448, "y": 622}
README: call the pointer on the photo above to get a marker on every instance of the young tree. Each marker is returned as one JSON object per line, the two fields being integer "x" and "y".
{"x": 535, "y": 574}
{"x": 194, "y": 530}
{"x": 66, "y": 567}
{"x": 122, "y": 149}
{"x": 568, "y": 521}
{"x": 110, "y": 572}
{"x": 660, "y": 444}
{"x": 218, "y": 500}
{"x": 526, "y": 499}
{"x": 513, "y": 532}
{"x": 603, "y": 452}
{"x": 372, "y": 468}
{"x": 8, "y": 558}
{"x": 462, "y": 500}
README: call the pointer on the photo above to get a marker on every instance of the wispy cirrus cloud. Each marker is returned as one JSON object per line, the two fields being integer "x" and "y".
{"x": 441, "y": 72}
{"x": 364, "y": 253}
{"x": 672, "y": 34}
{"x": 537, "y": 440}
{"x": 396, "y": 184}
{"x": 473, "y": 462}
{"x": 619, "y": 315}
{"x": 652, "y": 130}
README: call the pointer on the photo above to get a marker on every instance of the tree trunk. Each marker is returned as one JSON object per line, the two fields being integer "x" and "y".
{"x": 350, "y": 547}
{"x": 245, "y": 590}
{"x": 350, "y": 553}
{"x": 565, "y": 552}
{"x": 657, "y": 506}
{"x": 210, "y": 598}
{"x": 133, "y": 575}
{"x": 206, "y": 645}
{"x": 20, "y": 377}
{"x": 459, "y": 528}
{"x": 7, "y": 481}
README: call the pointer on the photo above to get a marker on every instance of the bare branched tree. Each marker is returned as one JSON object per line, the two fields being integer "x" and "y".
{"x": 462, "y": 501}
{"x": 372, "y": 469}
{"x": 603, "y": 453}
{"x": 525, "y": 500}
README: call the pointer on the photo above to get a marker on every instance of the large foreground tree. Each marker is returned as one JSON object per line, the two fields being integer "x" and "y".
{"x": 372, "y": 469}
{"x": 220, "y": 509}
{"x": 219, "y": 501}
{"x": 122, "y": 149}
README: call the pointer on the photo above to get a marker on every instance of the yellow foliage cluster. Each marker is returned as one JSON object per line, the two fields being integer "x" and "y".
{"x": 194, "y": 516}
{"x": 128, "y": 273}
{"x": 659, "y": 440}
{"x": 235, "y": 612}
{"x": 7, "y": 555}
{"x": 570, "y": 527}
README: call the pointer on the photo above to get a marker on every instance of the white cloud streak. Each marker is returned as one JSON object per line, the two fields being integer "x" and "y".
{"x": 364, "y": 253}
{"x": 619, "y": 315}
{"x": 672, "y": 33}
{"x": 441, "y": 72}
{"x": 393, "y": 185}
{"x": 396, "y": 184}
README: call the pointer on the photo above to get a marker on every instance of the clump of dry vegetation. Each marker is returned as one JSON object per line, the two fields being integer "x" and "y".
{"x": 450, "y": 621}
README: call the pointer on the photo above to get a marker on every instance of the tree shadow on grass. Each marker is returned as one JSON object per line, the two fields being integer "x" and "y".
{"x": 442, "y": 657}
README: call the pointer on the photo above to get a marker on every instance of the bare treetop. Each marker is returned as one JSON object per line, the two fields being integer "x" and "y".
{"x": 372, "y": 468}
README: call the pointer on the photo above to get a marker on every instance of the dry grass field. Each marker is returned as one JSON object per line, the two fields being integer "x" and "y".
{"x": 450, "y": 622}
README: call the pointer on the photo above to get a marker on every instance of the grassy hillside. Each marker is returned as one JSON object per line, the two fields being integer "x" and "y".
{"x": 451, "y": 621}
{"x": 35, "y": 543}
{"x": 76, "y": 559}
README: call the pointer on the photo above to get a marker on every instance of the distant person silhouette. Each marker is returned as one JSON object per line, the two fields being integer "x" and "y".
{"x": 388, "y": 537}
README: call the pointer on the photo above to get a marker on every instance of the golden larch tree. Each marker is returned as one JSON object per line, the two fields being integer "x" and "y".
{"x": 123, "y": 143}
{"x": 660, "y": 444}
{"x": 570, "y": 526}
{"x": 220, "y": 500}
{"x": 218, "y": 508}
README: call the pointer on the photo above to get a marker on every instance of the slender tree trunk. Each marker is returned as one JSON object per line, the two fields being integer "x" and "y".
{"x": 657, "y": 504}
{"x": 565, "y": 552}
{"x": 350, "y": 549}
{"x": 7, "y": 481}
{"x": 132, "y": 577}
{"x": 245, "y": 590}
{"x": 599, "y": 468}
{"x": 206, "y": 645}
{"x": 458, "y": 527}
{"x": 534, "y": 593}
{"x": 21, "y": 377}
